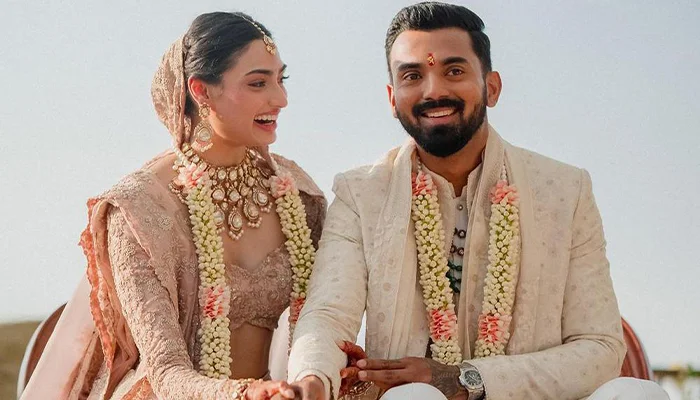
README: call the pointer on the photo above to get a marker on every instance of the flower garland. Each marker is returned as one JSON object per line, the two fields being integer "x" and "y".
{"x": 302, "y": 253}
{"x": 214, "y": 294}
{"x": 432, "y": 262}
{"x": 502, "y": 272}
{"x": 499, "y": 284}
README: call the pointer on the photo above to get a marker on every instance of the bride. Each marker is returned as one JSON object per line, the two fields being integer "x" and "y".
{"x": 193, "y": 258}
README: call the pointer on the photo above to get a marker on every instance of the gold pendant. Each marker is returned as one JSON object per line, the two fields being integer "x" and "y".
{"x": 252, "y": 213}
{"x": 235, "y": 224}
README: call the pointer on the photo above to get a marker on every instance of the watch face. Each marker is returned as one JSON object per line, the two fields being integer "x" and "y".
{"x": 473, "y": 378}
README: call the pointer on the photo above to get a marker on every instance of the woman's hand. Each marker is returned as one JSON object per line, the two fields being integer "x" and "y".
{"x": 348, "y": 374}
{"x": 265, "y": 390}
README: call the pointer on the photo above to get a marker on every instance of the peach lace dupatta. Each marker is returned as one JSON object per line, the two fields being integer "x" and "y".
{"x": 91, "y": 352}
{"x": 91, "y": 348}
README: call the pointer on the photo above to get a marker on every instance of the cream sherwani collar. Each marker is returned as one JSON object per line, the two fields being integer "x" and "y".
{"x": 390, "y": 253}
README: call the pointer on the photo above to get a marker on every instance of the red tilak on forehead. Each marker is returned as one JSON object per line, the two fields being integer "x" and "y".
{"x": 431, "y": 59}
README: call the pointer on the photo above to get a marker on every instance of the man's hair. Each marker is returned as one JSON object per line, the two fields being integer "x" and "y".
{"x": 430, "y": 16}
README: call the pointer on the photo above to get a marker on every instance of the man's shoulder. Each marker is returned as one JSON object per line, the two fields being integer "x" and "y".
{"x": 369, "y": 176}
{"x": 360, "y": 176}
{"x": 553, "y": 184}
{"x": 544, "y": 167}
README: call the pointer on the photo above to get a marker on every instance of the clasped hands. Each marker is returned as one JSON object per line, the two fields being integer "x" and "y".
{"x": 384, "y": 374}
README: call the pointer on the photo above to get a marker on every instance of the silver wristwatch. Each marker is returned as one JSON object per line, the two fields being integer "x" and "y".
{"x": 470, "y": 379}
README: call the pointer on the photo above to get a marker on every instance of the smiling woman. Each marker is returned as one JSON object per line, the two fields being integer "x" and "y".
{"x": 188, "y": 273}
{"x": 238, "y": 74}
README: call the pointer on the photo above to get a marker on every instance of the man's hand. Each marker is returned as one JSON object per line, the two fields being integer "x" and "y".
{"x": 389, "y": 373}
{"x": 348, "y": 374}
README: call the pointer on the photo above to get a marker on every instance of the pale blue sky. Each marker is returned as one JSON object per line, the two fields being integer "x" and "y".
{"x": 605, "y": 85}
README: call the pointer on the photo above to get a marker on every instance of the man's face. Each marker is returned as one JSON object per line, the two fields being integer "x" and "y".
{"x": 438, "y": 90}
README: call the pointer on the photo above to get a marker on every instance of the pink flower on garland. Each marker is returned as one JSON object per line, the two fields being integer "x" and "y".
{"x": 213, "y": 301}
{"x": 492, "y": 327}
{"x": 295, "y": 309}
{"x": 282, "y": 184}
{"x": 442, "y": 324}
{"x": 422, "y": 183}
{"x": 504, "y": 191}
{"x": 191, "y": 176}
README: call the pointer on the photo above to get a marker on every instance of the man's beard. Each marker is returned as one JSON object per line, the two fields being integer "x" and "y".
{"x": 444, "y": 140}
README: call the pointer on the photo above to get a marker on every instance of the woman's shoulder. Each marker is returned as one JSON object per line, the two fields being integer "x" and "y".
{"x": 303, "y": 180}
{"x": 144, "y": 187}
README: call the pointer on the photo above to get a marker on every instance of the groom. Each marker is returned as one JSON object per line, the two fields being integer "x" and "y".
{"x": 481, "y": 266}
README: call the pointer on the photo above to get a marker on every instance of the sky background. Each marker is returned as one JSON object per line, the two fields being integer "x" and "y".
{"x": 604, "y": 85}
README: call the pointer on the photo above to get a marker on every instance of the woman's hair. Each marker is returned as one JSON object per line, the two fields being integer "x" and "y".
{"x": 213, "y": 44}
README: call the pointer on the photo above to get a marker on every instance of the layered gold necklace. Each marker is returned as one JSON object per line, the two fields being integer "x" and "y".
{"x": 240, "y": 193}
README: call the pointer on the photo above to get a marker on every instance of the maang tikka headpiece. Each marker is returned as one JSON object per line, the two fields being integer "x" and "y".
{"x": 269, "y": 43}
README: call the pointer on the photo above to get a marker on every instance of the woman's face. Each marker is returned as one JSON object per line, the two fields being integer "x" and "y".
{"x": 246, "y": 103}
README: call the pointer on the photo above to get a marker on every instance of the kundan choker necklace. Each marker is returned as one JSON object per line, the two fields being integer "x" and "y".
{"x": 240, "y": 193}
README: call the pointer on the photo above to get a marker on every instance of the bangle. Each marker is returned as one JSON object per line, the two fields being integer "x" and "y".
{"x": 359, "y": 388}
{"x": 240, "y": 386}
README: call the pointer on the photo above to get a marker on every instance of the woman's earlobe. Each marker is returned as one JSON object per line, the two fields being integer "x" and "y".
{"x": 198, "y": 90}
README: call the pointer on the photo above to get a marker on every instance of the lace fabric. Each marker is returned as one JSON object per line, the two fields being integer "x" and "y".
{"x": 132, "y": 333}
{"x": 143, "y": 284}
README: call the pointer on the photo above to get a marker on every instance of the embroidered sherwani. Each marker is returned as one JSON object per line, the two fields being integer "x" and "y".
{"x": 566, "y": 335}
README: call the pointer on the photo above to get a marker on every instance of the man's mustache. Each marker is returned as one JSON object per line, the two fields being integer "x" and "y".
{"x": 420, "y": 108}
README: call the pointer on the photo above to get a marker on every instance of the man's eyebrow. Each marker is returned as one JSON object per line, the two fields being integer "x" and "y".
{"x": 455, "y": 60}
{"x": 403, "y": 66}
